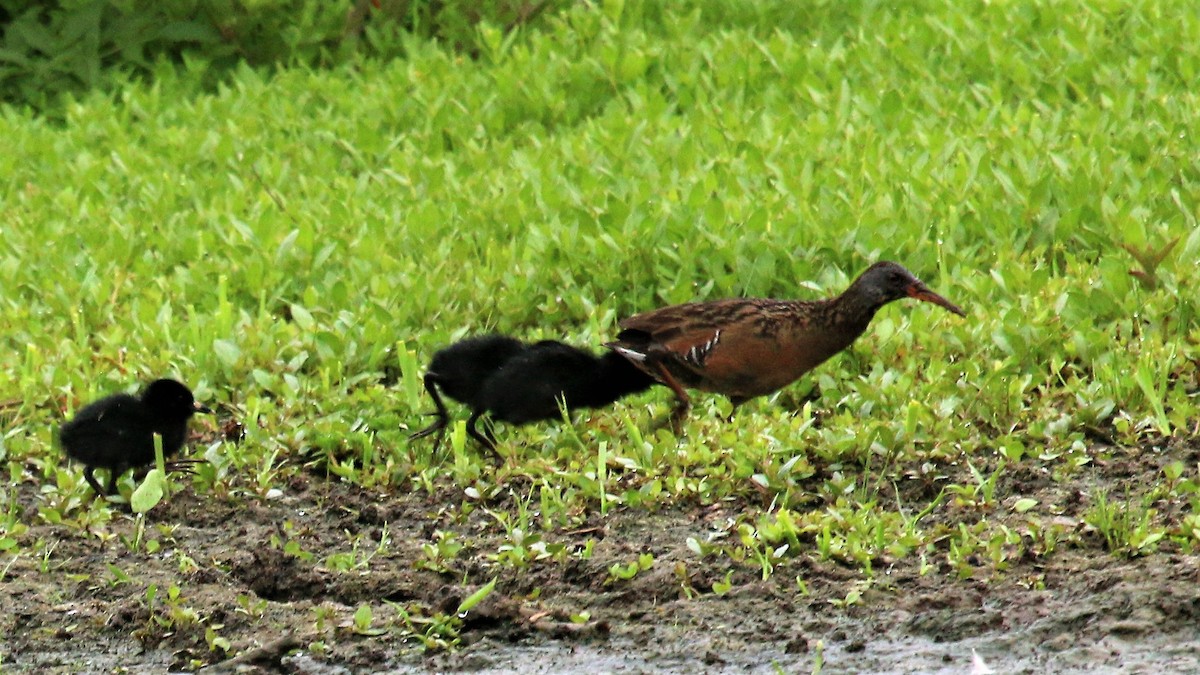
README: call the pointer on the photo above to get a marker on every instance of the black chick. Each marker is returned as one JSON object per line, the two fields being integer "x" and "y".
{"x": 531, "y": 385}
{"x": 117, "y": 432}
{"x": 460, "y": 370}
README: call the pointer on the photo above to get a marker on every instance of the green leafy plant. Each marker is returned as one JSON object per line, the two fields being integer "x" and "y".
{"x": 627, "y": 571}
{"x": 68, "y": 47}
{"x": 295, "y": 215}
{"x": 1126, "y": 528}
{"x": 1149, "y": 260}
{"x": 441, "y": 553}
{"x": 358, "y": 558}
{"x": 362, "y": 623}
{"x": 155, "y": 486}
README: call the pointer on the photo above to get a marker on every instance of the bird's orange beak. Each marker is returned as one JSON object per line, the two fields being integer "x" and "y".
{"x": 921, "y": 292}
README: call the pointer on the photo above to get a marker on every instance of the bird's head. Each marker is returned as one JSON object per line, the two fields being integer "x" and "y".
{"x": 884, "y": 282}
{"x": 171, "y": 400}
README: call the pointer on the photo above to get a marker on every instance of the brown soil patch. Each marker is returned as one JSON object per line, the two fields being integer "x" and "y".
{"x": 84, "y": 608}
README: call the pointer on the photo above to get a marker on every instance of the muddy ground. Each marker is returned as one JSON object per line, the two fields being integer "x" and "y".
{"x": 83, "y": 607}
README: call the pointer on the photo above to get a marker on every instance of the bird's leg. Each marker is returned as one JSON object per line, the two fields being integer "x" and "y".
{"x": 736, "y": 401}
{"x": 113, "y": 474}
{"x": 437, "y": 440}
{"x": 489, "y": 430}
{"x": 439, "y": 425}
{"x": 485, "y": 439}
{"x": 431, "y": 380}
{"x": 91, "y": 480}
{"x": 683, "y": 403}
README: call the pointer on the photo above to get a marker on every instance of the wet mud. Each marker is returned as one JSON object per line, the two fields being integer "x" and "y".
{"x": 274, "y": 585}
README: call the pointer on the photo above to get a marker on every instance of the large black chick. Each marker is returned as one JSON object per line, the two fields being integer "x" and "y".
{"x": 460, "y": 371}
{"x": 534, "y": 384}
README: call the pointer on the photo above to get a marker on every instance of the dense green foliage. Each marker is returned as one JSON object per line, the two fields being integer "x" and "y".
{"x": 67, "y": 46}
{"x": 290, "y": 242}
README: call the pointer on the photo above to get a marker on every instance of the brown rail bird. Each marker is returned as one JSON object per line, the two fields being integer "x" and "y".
{"x": 748, "y": 347}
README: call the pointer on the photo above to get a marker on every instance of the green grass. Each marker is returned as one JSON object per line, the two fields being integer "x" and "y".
{"x": 292, "y": 242}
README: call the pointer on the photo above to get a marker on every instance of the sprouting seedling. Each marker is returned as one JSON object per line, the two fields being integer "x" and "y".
{"x": 1149, "y": 260}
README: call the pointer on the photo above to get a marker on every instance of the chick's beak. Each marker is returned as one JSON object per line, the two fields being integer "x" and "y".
{"x": 201, "y": 408}
{"x": 921, "y": 292}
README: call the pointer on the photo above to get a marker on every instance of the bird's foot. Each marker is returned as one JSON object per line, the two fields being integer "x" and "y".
{"x": 678, "y": 415}
{"x": 187, "y": 466}
{"x": 436, "y": 427}
{"x": 674, "y": 421}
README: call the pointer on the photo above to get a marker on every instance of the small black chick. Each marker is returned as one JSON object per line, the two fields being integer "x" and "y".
{"x": 117, "y": 432}
{"x": 460, "y": 370}
{"x": 531, "y": 385}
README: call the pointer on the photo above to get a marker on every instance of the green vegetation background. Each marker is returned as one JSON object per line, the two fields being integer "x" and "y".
{"x": 295, "y": 241}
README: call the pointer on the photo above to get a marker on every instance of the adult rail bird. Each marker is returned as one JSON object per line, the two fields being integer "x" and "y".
{"x": 749, "y": 347}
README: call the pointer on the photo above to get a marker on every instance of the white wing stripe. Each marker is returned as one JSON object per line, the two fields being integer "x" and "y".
{"x": 698, "y": 354}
